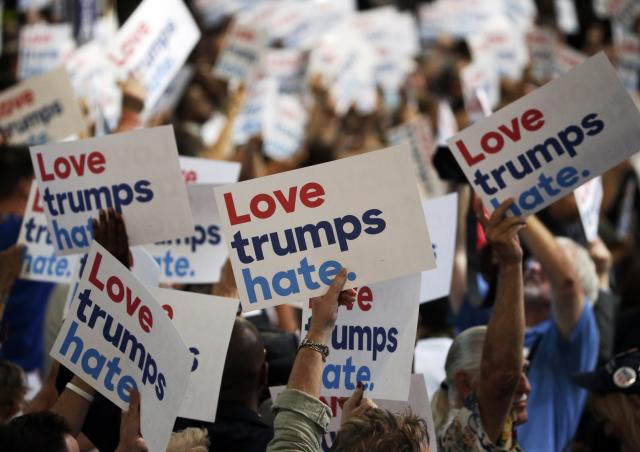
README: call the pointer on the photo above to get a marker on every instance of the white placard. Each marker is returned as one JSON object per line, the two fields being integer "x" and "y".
{"x": 550, "y": 142}
{"x": 289, "y": 234}
{"x": 284, "y": 130}
{"x": 207, "y": 171}
{"x": 40, "y": 110}
{"x": 196, "y": 316}
{"x": 242, "y": 54}
{"x": 77, "y": 179}
{"x": 117, "y": 337}
{"x": 43, "y": 47}
{"x": 442, "y": 218}
{"x": 199, "y": 257}
{"x": 153, "y": 44}
{"x": 373, "y": 341}
{"x": 589, "y": 198}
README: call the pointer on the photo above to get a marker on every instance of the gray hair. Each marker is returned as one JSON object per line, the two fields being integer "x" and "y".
{"x": 584, "y": 267}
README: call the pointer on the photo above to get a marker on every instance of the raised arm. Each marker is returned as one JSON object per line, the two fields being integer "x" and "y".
{"x": 502, "y": 353}
{"x": 567, "y": 298}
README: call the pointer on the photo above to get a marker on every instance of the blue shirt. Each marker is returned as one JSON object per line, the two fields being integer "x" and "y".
{"x": 555, "y": 402}
{"x": 23, "y": 322}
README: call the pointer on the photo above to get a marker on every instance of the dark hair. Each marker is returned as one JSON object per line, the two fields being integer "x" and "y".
{"x": 15, "y": 165}
{"x": 42, "y": 431}
{"x": 12, "y": 388}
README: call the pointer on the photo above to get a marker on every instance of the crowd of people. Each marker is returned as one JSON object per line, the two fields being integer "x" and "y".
{"x": 534, "y": 349}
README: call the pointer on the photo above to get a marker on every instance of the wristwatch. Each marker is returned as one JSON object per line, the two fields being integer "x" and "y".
{"x": 317, "y": 346}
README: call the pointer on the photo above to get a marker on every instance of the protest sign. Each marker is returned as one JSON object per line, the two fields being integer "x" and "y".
{"x": 43, "y": 47}
{"x": 627, "y": 48}
{"x": 117, "y": 337}
{"x": 289, "y": 234}
{"x": 195, "y": 317}
{"x": 284, "y": 130}
{"x": 287, "y": 67}
{"x": 40, "y": 262}
{"x": 480, "y": 89}
{"x": 588, "y": 198}
{"x": 40, "y": 109}
{"x": 198, "y": 257}
{"x": 207, "y": 171}
{"x": 77, "y": 179}
{"x": 565, "y": 58}
{"x": 441, "y": 215}
{"x": 242, "y": 54}
{"x": 258, "y": 107}
{"x": 373, "y": 340}
{"x": 153, "y": 44}
{"x": 173, "y": 93}
{"x": 418, "y": 405}
{"x": 541, "y": 43}
{"x": 548, "y": 143}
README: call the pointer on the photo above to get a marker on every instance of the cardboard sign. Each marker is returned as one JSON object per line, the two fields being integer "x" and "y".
{"x": 117, "y": 337}
{"x": 207, "y": 171}
{"x": 196, "y": 316}
{"x": 242, "y": 54}
{"x": 442, "y": 218}
{"x": 258, "y": 107}
{"x": 289, "y": 234}
{"x": 285, "y": 129}
{"x": 40, "y": 262}
{"x": 43, "y": 47}
{"x": 153, "y": 44}
{"x": 551, "y": 141}
{"x": 287, "y": 67}
{"x": 565, "y": 58}
{"x": 589, "y": 198}
{"x": 541, "y": 43}
{"x": 418, "y": 405}
{"x": 479, "y": 82}
{"x": 40, "y": 110}
{"x": 373, "y": 340}
{"x": 79, "y": 178}
{"x": 628, "y": 52}
{"x": 199, "y": 257}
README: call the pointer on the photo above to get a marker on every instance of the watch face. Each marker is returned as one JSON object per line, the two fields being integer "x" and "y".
{"x": 625, "y": 377}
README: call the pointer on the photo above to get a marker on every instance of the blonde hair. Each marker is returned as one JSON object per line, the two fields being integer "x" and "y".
{"x": 464, "y": 355}
{"x": 189, "y": 440}
{"x": 619, "y": 409}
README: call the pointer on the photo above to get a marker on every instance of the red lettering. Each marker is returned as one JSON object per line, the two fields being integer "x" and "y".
{"x": 254, "y": 206}
{"x": 231, "y": 210}
{"x": 364, "y": 298}
{"x": 43, "y": 172}
{"x": 532, "y": 119}
{"x": 470, "y": 159}
{"x": 37, "y": 206}
{"x": 96, "y": 162}
{"x": 289, "y": 203}
{"x": 514, "y": 132}
{"x": 132, "y": 305}
{"x": 311, "y": 194}
{"x": 145, "y": 318}
{"x": 61, "y": 168}
{"x": 93, "y": 275}
{"x": 486, "y": 145}
{"x": 169, "y": 310}
{"x": 112, "y": 282}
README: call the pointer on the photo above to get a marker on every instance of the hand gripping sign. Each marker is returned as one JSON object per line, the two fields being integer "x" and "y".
{"x": 289, "y": 234}
{"x": 117, "y": 337}
{"x": 77, "y": 179}
{"x": 550, "y": 142}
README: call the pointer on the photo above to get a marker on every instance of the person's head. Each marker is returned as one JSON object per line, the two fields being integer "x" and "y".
{"x": 379, "y": 430}
{"x": 615, "y": 396}
{"x": 16, "y": 174}
{"x": 537, "y": 289}
{"x": 13, "y": 388}
{"x": 245, "y": 369}
{"x": 189, "y": 440}
{"x": 42, "y": 431}
{"x": 462, "y": 368}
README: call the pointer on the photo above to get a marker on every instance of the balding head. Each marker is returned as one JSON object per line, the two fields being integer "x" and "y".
{"x": 245, "y": 372}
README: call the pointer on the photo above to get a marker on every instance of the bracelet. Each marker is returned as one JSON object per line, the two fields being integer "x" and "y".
{"x": 315, "y": 346}
{"x": 81, "y": 392}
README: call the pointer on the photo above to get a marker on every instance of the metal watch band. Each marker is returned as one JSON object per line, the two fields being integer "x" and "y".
{"x": 316, "y": 346}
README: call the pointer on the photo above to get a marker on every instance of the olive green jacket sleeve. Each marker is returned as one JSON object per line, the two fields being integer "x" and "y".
{"x": 300, "y": 421}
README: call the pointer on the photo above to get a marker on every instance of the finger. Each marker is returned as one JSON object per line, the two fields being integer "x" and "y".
{"x": 111, "y": 230}
{"x": 121, "y": 232}
{"x": 134, "y": 402}
{"x": 507, "y": 224}
{"x": 499, "y": 214}
{"x": 367, "y": 403}
{"x": 336, "y": 286}
{"x": 479, "y": 209}
{"x": 357, "y": 395}
{"x": 342, "y": 401}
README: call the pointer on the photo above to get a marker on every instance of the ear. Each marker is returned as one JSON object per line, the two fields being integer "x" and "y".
{"x": 464, "y": 388}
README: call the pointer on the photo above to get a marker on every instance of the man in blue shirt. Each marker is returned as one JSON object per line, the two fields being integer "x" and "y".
{"x": 562, "y": 339}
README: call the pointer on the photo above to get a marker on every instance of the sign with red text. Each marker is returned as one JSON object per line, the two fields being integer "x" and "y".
{"x": 373, "y": 340}
{"x": 40, "y": 262}
{"x": 206, "y": 171}
{"x": 43, "y": 47}
{"x": 116, "y": 337}
{"x": 79, "y": 178}
{"x": 417, "y": 404}
{"x": 153, "y": 44}
{"x": 244, "y": 48}
{"x": 199, "y": 257}
{"x": 284, "y": 129}
{"x": 289, "y": 234}
{"x": 40, "y": 110}
{"x": 287, "y": 67}
{"x": 196, "y": 316}
{"x": 566, "y": 58}
{"x": 589, "y": 198}
{"x": 442, "y": 218}
{"x": 548, "y": 143}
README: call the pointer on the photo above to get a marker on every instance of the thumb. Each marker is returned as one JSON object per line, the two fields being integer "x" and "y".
{"x": 337, "y": 284}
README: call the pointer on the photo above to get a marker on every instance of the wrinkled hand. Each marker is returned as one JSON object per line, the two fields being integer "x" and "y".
{"x": 355, "y": 405}
{"x": 10, "y": 260}
{"x": 324, "y": 310}
{"x": 110, "y": 232}
{"x": 502, "y": 231}
{"x": 130, "y": 438}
